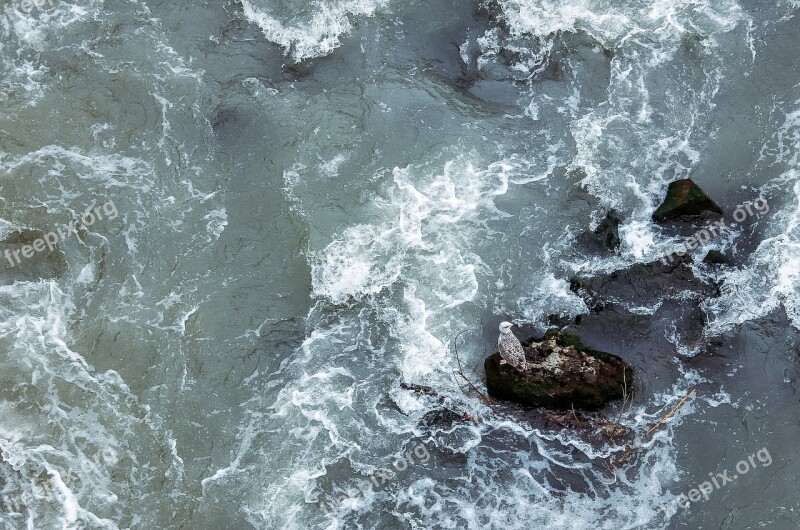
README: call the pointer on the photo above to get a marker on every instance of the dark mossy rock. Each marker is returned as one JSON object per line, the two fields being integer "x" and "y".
{"x": 604, "y": 238}
{"x": 715, "y": 257}
{"x": 684, "y": 200}
{"x": 562, "y": 373}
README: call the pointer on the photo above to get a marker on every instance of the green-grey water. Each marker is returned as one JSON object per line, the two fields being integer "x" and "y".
{"x": 314, "y": 197}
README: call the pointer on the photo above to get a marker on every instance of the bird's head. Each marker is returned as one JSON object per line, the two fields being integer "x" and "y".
{"x": 505, "y": 327}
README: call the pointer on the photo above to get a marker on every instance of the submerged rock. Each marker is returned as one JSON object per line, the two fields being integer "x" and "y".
{"x": 604, "y": 238}
{"x": 715, "y": 257}
{"x": 442, "y": 418}
{"x": 27, "y": 257}
{"x": 648, "y": 283}
{"x": 562, "y": 373}
{"x": 644, "y": 299}
{"x": 684, "y": 199}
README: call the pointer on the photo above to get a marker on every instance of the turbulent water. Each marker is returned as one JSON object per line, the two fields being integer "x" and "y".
{"x": 311, "y": 198}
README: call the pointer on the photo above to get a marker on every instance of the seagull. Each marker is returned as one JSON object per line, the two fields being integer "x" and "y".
{"x": 510, "y": 348}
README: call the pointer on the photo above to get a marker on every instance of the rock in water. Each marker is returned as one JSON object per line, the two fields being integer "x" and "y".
{"x": 562, "y": 373}
{"x": 604, "y": 238}
{"x": 684, "y": 199}
{"x": 607, "y": 232}
{"x": 45, "y": 264}
{"x": 715, "y": 257}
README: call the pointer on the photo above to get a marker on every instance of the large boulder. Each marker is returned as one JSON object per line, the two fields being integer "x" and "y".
{"x": 684, "y": 200}
{"x": 562, "y": 373}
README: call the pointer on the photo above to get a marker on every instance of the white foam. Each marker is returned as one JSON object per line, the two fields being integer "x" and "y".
{"x": 217, "y": 221}
{"x": 419, "y": 237}
{"x": 96, "y": 402}
{"x": 25, "y": 35}
{"x": 647, "y": 40}
{"x": 551, "y": 296}
{"x": 304, "y": 29}
{"x": 771, "y": 277}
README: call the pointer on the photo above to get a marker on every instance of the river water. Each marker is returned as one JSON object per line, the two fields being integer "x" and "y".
{"x": 304, "y": 201}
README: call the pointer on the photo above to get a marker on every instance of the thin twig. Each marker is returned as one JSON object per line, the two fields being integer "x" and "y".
{"x": 624, "y": 398}
{"x": 610, "y": 466}
{"x": 575, "y": 416}
{"x": 483, "y": 397}
{"x": 626, "y": 453}
{"x": 555, "y": 419}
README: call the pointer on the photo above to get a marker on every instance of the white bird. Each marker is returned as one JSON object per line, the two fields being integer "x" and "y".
{"x": 510, "y": 348}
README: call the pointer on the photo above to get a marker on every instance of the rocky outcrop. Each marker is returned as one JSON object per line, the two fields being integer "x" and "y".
{"x": 648, "y": 282}
{"x": 562, "y": 373}
{"x": 640, "y": 301}
{"x": 604, "y": 238}
{"x": 684, "y": 200}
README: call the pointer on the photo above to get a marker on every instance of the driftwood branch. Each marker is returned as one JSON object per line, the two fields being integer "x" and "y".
{"x": 671, "y": 413}
{"x": 663, "y": 420}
